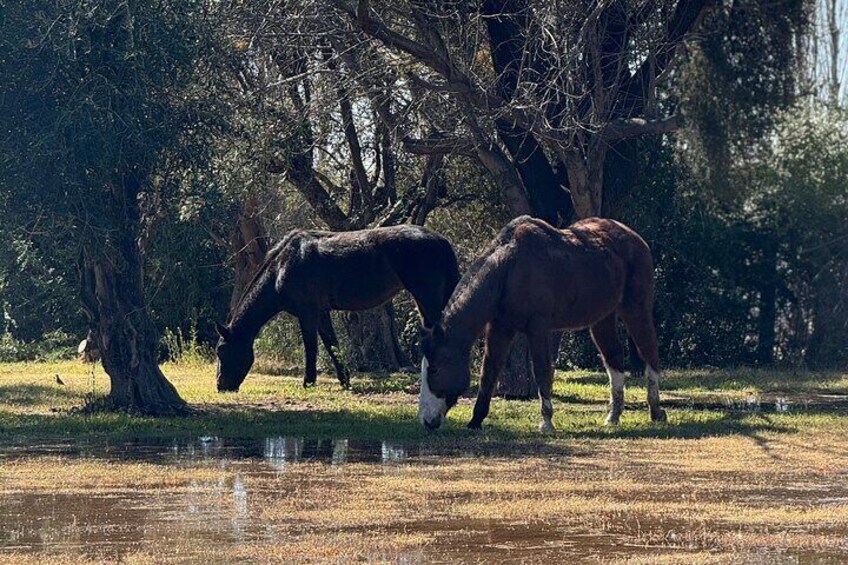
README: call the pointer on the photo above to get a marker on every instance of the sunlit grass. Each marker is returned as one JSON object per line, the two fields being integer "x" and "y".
{"x": 33, "y": 403}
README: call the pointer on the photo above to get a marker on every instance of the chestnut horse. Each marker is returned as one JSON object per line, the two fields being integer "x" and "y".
{"x": 310, "y": 273}
{"x": 536, "y": 279}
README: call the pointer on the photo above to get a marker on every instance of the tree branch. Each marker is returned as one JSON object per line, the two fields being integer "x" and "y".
{"x": 687, "y": 16}
{"x": 618, "y": 130}
{"x": 458, "y": 81}
{"x": 440, "y": 144}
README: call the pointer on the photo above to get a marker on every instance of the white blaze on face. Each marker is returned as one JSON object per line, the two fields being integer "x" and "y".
{"x": 431, "y": 408}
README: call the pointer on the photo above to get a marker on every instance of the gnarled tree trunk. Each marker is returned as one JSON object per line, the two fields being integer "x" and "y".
{"x": 517, "y": 380}
{"x": 113, "y": 295}
{"x": 373, "y": 343}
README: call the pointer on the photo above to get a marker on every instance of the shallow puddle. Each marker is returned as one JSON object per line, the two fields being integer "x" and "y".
{"x": 276, "y": 451}
{"x": 776, "y": 403}
{"x": 262, "y": 495}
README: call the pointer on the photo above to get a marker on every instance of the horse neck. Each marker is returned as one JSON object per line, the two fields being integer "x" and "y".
{"x": 472, "y": 306}
{"x": 258, "y": 306}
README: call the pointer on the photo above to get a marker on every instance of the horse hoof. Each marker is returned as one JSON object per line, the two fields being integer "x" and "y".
{"x": 612, "y": 419}
{"x": 547, "y": 427}
{"x": 659, "y": 416}
{"x": 474, "y": 425}
{"x": 308, "y": 384}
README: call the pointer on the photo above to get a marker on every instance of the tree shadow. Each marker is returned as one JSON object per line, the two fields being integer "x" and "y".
{"x": 33, "y": 395}
{"x": 729, "y": 380}
{"x": 730, "y": 423}
{"x": 235, "y": 426}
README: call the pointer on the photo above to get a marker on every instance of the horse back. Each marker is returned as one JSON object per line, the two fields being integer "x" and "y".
{"x": 363, "y": 269}
{"x": 572, "y": 278}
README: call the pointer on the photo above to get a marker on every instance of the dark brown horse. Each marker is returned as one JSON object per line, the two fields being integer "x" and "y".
{"x": 310, "y": 273}
{"x": 536, "y": 279}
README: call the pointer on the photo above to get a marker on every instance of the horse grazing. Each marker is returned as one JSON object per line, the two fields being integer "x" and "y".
{"x": 536, "y": 279}
{"x": 310, "y": 273}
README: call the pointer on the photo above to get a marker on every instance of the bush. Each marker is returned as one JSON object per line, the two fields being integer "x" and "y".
{"x": 53, "y": 346}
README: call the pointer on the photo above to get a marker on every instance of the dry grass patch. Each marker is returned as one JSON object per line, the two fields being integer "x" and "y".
{"x": 67, "y": 474}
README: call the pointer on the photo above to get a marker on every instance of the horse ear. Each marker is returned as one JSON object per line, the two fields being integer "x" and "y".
{"x": 223, "y": 331}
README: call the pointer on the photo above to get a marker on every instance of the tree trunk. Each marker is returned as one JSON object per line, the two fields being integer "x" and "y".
{"x": 128, "y": 342}
{"x": 248, "y": 246}
{"x": 517, "y": 380}
{"x": 768, "y": 303}
{"x": 373, "y": 343}
{"x": 113, "y": 295}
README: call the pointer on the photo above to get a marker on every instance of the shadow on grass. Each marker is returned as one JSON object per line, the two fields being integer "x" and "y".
{"x": 386, "y": 425}
{"x": 370, "y": 383}
{"x": 34, "y": 395}
{"x": 728, "y": 380}
{"x": 764, "y": 380}
{"x": 730, "y": 423}
{"x": 243, "y": 433}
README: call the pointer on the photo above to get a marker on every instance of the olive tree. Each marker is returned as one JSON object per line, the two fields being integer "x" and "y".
{"x": 96, "y": 98}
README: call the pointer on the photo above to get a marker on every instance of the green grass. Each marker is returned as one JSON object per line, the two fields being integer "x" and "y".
{"x": 32, "y": 404}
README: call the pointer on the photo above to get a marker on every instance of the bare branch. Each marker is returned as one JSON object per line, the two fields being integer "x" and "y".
{"x": 440, "y": 144}
{"x": 618, "y": 130}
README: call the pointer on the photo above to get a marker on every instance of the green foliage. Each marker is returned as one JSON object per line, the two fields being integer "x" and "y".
{"x": 798, "y": 193}
{"x": 184, "y": 348}
{"x": 92, "y": 91}
{"x": 712, "y": 250}
{"x": 99, "y": 117}
{"x": 742, "y": 69}
{"x": 52, "y": 346}
{"x": 280, "y": 344}
{"x": 701, "y": 312}
{"x": 95, "y": 93}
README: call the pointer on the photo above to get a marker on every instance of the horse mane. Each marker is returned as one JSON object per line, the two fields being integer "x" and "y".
{"x": 250, "y": 292}
{"x": 470, "y": 305}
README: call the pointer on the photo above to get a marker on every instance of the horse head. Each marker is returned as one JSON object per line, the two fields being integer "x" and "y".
{"x": 235, "y": 357}
{"x": 444, "y": 376}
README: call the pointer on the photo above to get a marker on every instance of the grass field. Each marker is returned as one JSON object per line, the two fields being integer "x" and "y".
{"x": 752, "y": 466}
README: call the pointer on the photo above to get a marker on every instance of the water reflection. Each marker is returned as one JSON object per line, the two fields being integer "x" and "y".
{"x": 218, "y": 511}
{"x": 276, "y": 451}
{"x": 240, "y": 512}
{"x": 282, "y": 451}
{"x": 751, "y": 403}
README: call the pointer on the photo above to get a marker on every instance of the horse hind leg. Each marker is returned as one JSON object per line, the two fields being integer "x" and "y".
{"x": 640, "y": 326}
{"x": 612, "y": 354}
{"x": 331, "y": 344}
{"x": 637, "y": 364}
{"x": 309, "y": 333}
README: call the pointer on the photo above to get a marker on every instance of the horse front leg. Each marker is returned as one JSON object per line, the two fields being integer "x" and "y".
{"x": 331, "y": 344}
{"x": 540, "y": 351}
{"x": 498, "y": 340}
{"x": 309, "y": 333}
